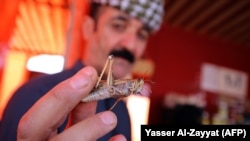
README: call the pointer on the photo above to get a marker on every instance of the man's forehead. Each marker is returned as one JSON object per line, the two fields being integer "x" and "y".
{"x": 150, "y": 12}
{"x": 113, "y": 14}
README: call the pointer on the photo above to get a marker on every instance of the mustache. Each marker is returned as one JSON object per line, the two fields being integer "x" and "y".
{"x": 123, "y": 53}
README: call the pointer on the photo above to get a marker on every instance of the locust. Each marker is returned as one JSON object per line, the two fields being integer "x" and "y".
{"x": 118, "y": 88}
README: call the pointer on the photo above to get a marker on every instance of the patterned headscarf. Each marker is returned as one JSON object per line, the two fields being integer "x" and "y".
{"x": 150, "y": 12}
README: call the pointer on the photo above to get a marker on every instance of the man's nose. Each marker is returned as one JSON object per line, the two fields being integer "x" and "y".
{"x": 130, "y": 41}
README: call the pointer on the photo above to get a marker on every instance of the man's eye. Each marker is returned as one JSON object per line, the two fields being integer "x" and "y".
{"x": 143, "y": 35}
{"x": 118, "y": 26}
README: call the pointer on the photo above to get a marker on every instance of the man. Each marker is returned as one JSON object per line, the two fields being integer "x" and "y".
{"x": 117, "y": 27}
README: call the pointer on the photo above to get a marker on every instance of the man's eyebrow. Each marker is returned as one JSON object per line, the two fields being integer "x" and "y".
{"x": 126, "y": 18}
{"x": 121, "y": 17}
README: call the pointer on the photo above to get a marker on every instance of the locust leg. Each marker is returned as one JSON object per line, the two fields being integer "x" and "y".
{"x": 116, "y": 102}
{"x": 110, "y": 81}
{"x": 110, "y": 77}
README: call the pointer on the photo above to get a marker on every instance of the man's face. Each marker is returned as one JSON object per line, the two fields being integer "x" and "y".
{"x": 118, "y": 34}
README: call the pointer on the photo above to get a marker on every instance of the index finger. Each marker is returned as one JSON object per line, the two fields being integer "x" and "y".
{"x": 45, "y": 115}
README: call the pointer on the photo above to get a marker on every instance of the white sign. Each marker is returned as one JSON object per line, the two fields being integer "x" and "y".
{"x": 224, "y": 80}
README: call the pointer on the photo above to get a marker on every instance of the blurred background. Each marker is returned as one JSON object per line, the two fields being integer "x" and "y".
{"x": 199, "y": 61}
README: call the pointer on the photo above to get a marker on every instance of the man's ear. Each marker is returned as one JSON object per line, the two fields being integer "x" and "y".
{"x": 87, "y": 27}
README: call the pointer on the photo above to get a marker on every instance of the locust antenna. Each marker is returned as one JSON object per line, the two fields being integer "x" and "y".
{"x": 147, "y": 80}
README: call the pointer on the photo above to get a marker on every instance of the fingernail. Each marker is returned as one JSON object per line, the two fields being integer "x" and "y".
{"x": 88, "y": 71}
{"x": 80, "y": 80}
{"x": 107, "y": 117}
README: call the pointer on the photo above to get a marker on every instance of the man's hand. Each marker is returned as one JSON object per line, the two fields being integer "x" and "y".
{"x": 40, "y": 123}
